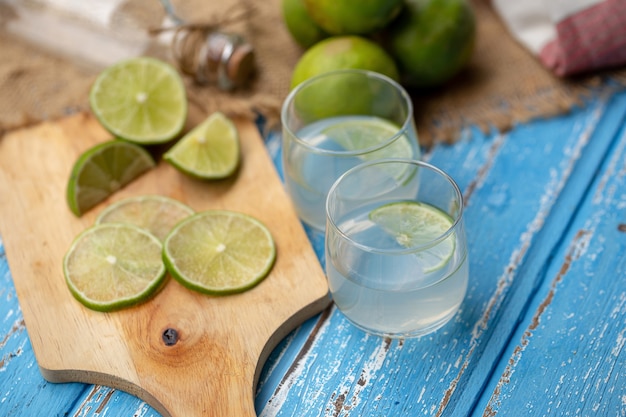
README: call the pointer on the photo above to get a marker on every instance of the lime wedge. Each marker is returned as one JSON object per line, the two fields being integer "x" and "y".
{"x": 361, "y": 133}
{"x": 155, "y": 213}
{"x": 209, "y": 151}
{"x": 102, "y": 170}
{"x": 219, "y": 252}
{"x": 114, "y": 265}
{"x": 141, "y": 100}
{"x": 414, "y": 225}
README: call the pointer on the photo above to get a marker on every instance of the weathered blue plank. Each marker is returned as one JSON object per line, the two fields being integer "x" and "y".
{"x": 576, "y": 324}
{"x": 564, "y": 192}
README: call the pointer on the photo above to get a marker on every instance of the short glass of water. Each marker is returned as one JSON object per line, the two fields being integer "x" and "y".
{"x": 396, "y": 253}
{"x": 335, "y": 121}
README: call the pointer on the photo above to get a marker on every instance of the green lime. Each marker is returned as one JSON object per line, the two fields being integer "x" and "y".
{"x": 416, "y": 225}
{"x": 155, "y": 213}
{"x": 114, "y": 265}
{"x": 300, "y": 25}
{"x": 432, "y": 40}
{"x": 209, "y": 151}
{"x": 343, "y": 52}
{"x": 141, "y": 100}
{"x": 352, "y": 17}
{"x": 102, "y": 170}
{"x": 219, "y": 252}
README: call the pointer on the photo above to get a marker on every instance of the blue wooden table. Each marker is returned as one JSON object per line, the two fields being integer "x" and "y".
{"x": 542, "y": 330}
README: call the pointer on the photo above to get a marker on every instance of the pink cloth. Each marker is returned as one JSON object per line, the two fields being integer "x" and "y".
{"x": 569, "y": 36}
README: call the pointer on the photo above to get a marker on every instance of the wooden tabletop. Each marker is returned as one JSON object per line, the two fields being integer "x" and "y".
{"x": 542, "y": 330}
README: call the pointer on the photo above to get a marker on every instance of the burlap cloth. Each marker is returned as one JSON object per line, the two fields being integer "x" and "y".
{"x": 503, "y": 84}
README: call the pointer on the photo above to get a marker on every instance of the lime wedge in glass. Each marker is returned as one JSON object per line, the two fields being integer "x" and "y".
{"x": 142, "y": 100}
{"x": 219, "y": 252}
{"x": 365, "y": 133}
{"x": 209, "y": 151}
{"x": 155, "y": 213}
{"x": 361, "y": 133}
{"x": 415, "y": 225}
{"x": 114, "y": 265}
{"x": 103, "y": 169}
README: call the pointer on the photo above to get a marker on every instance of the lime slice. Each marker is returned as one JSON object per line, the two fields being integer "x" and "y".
{"x": 209, "y": 151}
{"x": 219, "y": 252}
{"x": 102, "y": 170}
{"x": 141, "y": 100}
{"x": 114, "y": 265}
{"x": 155, "y": 213}
{"x": 361, "y": 133}
{"x": 414, "y": 225}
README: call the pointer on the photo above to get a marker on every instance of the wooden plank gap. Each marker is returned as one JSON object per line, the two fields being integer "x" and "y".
{"x": 368, "y": 371}
{"x": 484, "y": 169}
{"x": 17, "y": 327}
{"x": 291, "y": 372}
{"x": 105, "y": 401}
{"x": 575, "y": 251}
{"x": 547, "y": 200}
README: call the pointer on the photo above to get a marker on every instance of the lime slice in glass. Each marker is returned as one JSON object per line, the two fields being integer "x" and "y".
{"x": 219, "y": 252}
{"x": 141, "y": 100}
{"x": 416, "y": 225}
{"x": 155, "y": 213}
{"x": 114, "y": 265}
{"x": 102, "y": 170}
{"x": 361, "y": 133}
{"x": 209, "y": 151}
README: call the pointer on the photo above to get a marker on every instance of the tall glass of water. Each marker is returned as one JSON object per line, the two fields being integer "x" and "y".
{"x": 396, "y": 254}
{"x": 335, "y": 121}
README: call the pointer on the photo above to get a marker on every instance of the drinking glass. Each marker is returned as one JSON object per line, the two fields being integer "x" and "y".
{"x": 335, "y": 121}
{"x": 396, "y": 254}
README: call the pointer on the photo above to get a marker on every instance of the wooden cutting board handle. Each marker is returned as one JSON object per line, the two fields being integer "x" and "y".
{"x": 184, "y": 353}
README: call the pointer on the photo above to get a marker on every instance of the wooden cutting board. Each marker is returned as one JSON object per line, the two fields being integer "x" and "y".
{"x": 223, "y": 341}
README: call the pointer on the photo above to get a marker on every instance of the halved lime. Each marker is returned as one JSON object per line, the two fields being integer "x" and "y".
{"x": 155, "y": 213}
{"x": 415, "y": 225}
{"x": 209, "y": 151}
{"x": 219, "y": 252}
{"x": 103, "y": 169}
{"x": 141, "y": 100}
{"x": 114, "y": 265}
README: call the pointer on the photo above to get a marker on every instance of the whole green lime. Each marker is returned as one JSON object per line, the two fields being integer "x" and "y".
{"x": 300, "y": 25}
{"x": 343, "y": 52}
{"x": 432, "y": 40}
{"x": 352, "y": 17}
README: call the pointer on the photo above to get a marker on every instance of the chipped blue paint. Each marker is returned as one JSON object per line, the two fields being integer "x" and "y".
{"x": 577, "y": 321}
